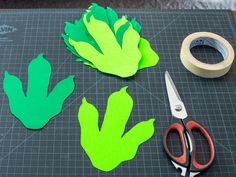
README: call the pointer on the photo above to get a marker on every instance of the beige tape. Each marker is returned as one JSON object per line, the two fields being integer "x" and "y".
{"x": 204, "y": 69}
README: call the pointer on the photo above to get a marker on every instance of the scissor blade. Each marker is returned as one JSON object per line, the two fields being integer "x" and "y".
{"x": 176, "y": 105}
{"x": 171, "y": 84}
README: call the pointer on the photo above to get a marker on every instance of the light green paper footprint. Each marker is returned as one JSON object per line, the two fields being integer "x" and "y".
{"x": 35, "y": 108}
{"x": 113, "y": 45}
{"x": 109, "y": 146}
{"x": 121, "y": 61}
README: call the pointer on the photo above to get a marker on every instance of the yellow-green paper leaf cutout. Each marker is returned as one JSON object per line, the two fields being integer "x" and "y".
{"x": 109, "y": 145}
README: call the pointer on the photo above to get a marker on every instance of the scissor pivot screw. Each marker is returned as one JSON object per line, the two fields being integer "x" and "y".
{"x": 178, "y": 107}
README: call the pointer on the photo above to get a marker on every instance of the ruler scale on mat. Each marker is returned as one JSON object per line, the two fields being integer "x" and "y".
{"x": 56, "y": 150}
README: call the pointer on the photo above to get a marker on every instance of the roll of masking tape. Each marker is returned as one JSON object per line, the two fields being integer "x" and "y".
{"x": 204, "y": 69}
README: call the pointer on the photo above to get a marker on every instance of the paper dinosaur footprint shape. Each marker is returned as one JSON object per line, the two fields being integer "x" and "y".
{"x": 35, "y": 108}
{"x": 113, "y": 45}
{"x": 114, "y": 59}
{"x": 109, "y": 146}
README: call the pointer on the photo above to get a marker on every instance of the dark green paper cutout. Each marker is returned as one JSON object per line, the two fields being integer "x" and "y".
{"x": 109, "y": 145}
{"x": 35, "y": 108}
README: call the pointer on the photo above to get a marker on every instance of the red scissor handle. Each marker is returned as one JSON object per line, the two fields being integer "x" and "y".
{"x": 195, "y": 166}
{"x": 182, "y": 159}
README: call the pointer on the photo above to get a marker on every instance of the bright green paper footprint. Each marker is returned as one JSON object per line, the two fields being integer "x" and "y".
{"x": 37, "y": 107}
{"x": 109, "y": 146}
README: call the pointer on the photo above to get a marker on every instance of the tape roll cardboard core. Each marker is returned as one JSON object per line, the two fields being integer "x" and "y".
{"x": 204, "y": 69}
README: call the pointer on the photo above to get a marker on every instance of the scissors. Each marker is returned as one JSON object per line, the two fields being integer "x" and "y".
{"x": 186, "y": 162}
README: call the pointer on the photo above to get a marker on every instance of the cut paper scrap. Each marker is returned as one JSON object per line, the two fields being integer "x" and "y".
{"x": 35, "y": 108}
{"x": 110, "y": 145}
{"x": 149, "y": 57}
{"x": 110, "y": 44}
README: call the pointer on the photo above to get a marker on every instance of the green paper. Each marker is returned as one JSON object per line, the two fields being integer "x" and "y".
{"x": 79, "y": 32}
{"x": 109, "y": 146}
{"x": 98, "y": 12}
{"x": 120, "y": 33}
{"x": 114, "y": 60}
{"x": 120, "y": 27}
{"x": 69, "y": 47}
{"x": 122, "y": 21}
{"x": 35, "y": 108}
{"x": 149, "y": 56}
{"x": 136, "y": 25}
{"x": 112, "y": 17}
